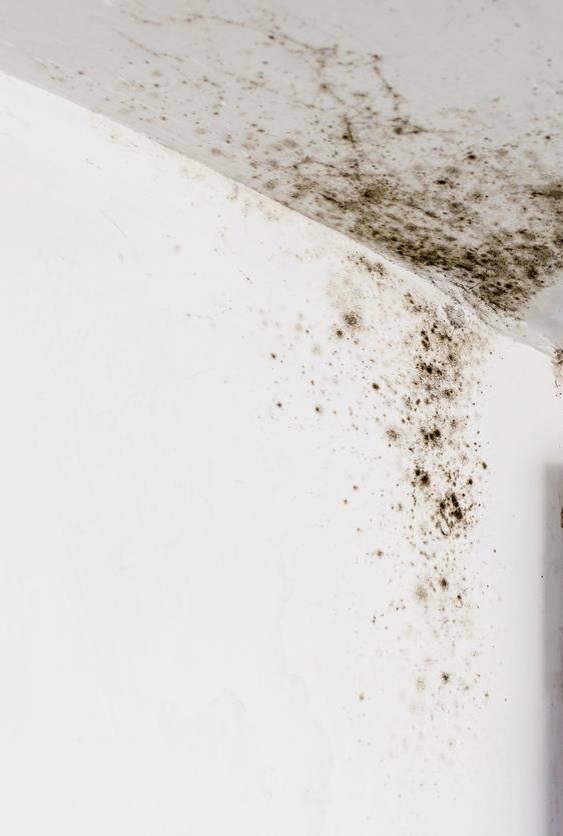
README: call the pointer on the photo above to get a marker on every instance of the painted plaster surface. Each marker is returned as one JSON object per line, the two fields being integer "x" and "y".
{"x": 281, "y": 543}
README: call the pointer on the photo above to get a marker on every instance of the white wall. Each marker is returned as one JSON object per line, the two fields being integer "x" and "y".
{"x": 221, "y": 600}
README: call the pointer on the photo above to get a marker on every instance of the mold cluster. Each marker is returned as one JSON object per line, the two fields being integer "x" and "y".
{"x": 431, "y": 398}
{"x": 457, "y": 195}
{"x": 441, "y": 225}
{"x": 445, "y": 472}
{"x": 471, "y": 198}
{"x": 450, "y": 203}
{"x": 398, "y": 369}
{"x": 446, "y": 461}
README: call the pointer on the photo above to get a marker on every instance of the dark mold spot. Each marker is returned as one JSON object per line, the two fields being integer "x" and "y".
{"x": 433, "y": 436}
{"x": 449, "y": 513}
{"x": 421, "y": 478}
{"x": 352, "y": 319}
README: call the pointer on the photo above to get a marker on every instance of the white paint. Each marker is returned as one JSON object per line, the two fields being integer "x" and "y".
{"x": 185, "y": 602}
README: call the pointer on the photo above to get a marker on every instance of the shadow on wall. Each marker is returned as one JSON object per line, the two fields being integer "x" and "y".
{"x": 553, "y": 644}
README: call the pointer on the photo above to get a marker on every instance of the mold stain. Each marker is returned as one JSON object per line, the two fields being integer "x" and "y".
{"x": 429, "y": 398}
{"x": 484, "y": 216}
{"x": 399, "y": 368}
{"x": 468, "y": 204}
{"x": 442, "y": 227}
{"x": 486, "y": 219}
{"x": 446, "y": 482}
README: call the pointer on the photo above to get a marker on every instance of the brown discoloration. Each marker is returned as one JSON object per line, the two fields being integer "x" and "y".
{"x": 471, "y": 198}
{"x": 398, "y": 364}
{"x": 421, "y": 593}
{"x": 435, "y": 390}
{"x": 352, "y": 320}
{"x": 482, "y": 214}
{"x": 502, "y": 265}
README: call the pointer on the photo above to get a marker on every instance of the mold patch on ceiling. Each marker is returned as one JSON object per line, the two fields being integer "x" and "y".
{"x": 441, "y": 196}
{"x": 372, "y": 125}
{"x": 444, "y": 195}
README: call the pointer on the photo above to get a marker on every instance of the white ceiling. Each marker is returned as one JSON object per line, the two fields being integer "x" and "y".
{"x": 432, "y": 131}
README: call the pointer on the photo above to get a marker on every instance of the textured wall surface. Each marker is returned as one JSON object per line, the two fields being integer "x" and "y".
{"x": 430, "y": 131}
{"x": 281, "y": 544}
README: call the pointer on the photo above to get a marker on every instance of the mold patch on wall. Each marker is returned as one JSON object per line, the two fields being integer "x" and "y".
{"x": 427, "y": 408}
{"x": 395, "y": 370}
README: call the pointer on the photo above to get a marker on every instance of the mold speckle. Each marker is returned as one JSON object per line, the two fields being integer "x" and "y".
{"x": 473, "y": 199}
{"x": 431, "y": 397}
{"x": 470, "y": 207}
{"x": 352, "y": 319}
